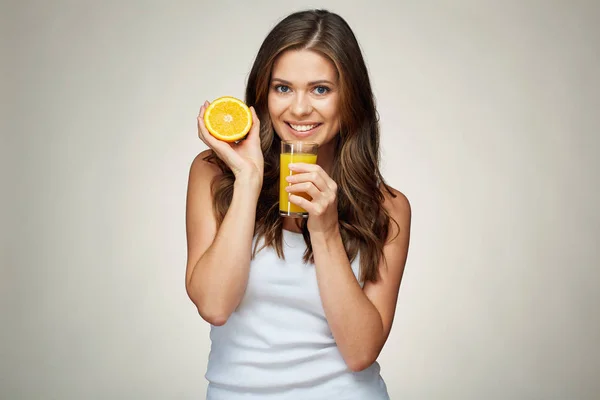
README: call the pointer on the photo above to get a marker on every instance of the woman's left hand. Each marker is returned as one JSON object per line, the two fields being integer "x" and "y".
{"x": 322, "y": 209}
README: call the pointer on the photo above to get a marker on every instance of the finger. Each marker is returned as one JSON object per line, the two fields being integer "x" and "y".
{"x": 200, "y": 122}
{"x": 316, "y": 169}
{"x": 305, "y": 167}
{"x": 202, "y": 131}
{"x": 223, "y": 149}
{"x": 203, "y": 108}
{"x": 305, "y": 187}
{"x": 313, "y": 177}
{"x": 254, "y": 133}
{"x": 302, "y": 202}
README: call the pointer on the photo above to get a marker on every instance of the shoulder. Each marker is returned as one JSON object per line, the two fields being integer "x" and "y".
{"x": 395, "y": 202}
{"x": 202, "y": 169}
{"x": 399, "y": 209}
{"x": 203, "y": 172}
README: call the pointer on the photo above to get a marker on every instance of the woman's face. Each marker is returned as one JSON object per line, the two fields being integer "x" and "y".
{"x": 304, "y": 97}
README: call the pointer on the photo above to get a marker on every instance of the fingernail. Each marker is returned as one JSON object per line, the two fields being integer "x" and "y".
{"x": 291, "y": 165}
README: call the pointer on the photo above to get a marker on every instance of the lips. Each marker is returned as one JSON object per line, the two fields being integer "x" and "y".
{"x": 303, "y": 130}
{"x": 302, "y": 127}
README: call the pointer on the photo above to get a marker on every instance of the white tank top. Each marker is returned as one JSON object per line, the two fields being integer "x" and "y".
{"x": 277, "y": 343}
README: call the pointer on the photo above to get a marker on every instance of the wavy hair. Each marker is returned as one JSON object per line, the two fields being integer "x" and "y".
{"x": 364, "y": 222}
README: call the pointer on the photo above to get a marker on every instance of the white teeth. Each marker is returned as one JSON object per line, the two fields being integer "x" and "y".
{"x": 303, "y": 128}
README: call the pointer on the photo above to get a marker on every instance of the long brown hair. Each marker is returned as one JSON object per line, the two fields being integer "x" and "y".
{"x": 364, "y": 222}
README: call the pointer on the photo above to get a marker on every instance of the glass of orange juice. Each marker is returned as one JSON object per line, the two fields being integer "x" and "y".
{"x": 294, "y": 152}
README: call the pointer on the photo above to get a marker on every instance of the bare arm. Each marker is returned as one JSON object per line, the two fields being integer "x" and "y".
{"x": 360, "y": 318}
{"x": 219, "y": 258}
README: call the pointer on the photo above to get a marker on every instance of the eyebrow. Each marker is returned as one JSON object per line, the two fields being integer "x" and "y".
{"x": 321, "y": 81}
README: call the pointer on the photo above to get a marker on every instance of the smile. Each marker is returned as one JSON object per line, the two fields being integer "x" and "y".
{"x": 303, "y": 128}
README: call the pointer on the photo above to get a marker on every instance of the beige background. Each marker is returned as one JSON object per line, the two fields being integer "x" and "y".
{"x": 489, "y": 112}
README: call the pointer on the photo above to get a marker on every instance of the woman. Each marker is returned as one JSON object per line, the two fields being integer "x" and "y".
{"x": 299, "y": 308}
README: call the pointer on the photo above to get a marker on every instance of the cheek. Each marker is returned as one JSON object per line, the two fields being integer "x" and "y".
{"x": 275, "y": 106}
{"x": 331, "y": 109}
{"x": 331, "y": 112}
{"x": 270, "y": 106}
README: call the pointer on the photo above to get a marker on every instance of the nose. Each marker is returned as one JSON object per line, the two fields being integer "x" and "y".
{"x": 301, "y": 105}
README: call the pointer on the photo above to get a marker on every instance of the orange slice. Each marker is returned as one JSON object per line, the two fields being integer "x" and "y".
{"x": 228, "y": 119}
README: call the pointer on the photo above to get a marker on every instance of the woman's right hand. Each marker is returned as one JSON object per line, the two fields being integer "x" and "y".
{"x": 245, "y": 158}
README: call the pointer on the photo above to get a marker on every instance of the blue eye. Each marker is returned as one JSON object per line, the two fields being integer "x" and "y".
{"x": 282, "y": 88}
{"x": 321, "y": 90}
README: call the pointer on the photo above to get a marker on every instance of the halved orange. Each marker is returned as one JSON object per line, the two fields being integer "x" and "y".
{"x": 228, "y": 119}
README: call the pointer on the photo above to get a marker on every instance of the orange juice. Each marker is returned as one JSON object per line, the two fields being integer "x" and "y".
{"x": 285, "y": 206}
